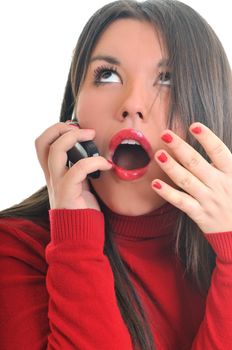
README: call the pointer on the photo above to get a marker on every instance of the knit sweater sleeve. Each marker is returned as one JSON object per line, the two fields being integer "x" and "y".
{"x": 23, "y": 294}
{"x": 83, "y": 311}
{"x": 215, "y": 330}
{"x": 67, "y": 301}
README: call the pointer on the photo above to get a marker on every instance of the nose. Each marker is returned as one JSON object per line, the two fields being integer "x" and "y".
{"x": 136, "y": 103}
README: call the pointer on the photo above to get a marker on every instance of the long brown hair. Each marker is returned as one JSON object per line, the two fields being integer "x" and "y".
{"x": 201, "y": 90}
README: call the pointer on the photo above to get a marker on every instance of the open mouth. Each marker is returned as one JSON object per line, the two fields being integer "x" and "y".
{"x": 131, "y": 154}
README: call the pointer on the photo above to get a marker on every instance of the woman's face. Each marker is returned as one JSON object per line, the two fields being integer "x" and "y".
{"x": 125, "y": 97}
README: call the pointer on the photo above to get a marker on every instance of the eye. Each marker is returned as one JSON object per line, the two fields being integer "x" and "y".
{"x": 164, "y": 78}
{"x": 105, "y": 75}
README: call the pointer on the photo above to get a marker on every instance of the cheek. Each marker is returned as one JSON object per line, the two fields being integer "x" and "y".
{"x": 177, "y": 124}
{"x": 161, "y": 107}
{"x": 87, "y": 109}
{"x": 95, "y": 106}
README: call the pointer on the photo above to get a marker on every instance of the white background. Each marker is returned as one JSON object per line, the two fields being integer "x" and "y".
{"x": 37, "y": 39}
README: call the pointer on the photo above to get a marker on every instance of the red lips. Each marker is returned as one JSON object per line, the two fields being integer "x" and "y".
{"x": 130, "y": 134}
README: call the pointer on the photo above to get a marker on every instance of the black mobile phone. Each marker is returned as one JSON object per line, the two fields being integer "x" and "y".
{"x": 83, "y": 150}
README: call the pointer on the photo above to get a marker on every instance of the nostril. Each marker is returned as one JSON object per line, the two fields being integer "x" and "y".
{"x": 125, "y": 114}
{"x": 140, "y": 115}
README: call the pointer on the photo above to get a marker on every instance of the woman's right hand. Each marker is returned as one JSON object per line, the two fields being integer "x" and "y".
{"x": 67, "y": 187}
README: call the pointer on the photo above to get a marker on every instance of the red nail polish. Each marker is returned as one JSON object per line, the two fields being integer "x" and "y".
{"x": 162, "y": 157}
{"x": 167, "y": 138}
{"x": 157, "y": 185}
{"x": 196, "y": 130}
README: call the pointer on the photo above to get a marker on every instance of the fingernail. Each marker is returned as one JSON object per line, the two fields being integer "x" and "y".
{"x": 162, "y": 157}
{"x": 157, "y": 185}
{"x": 75, "y": 124}
{"x": 196, "y": 130}
{"x": 167, "y": 138}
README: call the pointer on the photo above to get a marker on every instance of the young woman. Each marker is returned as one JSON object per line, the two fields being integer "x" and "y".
{"x": 140, "y": 257}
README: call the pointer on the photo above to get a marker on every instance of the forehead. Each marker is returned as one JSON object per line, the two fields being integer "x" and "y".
{"x": 130, "y": 37}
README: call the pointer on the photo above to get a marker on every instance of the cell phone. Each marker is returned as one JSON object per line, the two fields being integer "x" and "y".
{"x": 83, "y": 150}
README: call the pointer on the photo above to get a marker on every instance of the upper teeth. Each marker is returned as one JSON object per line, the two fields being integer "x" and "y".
{"x": 130, "y": 142}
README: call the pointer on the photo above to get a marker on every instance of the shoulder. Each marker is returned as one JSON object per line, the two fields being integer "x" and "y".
{"x": 22, "y": 237}
{"x": 25, "y": 228}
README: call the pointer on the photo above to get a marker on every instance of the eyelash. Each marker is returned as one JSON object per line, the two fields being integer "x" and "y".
{"x": 162, "y": 76}
{"x": 100, "y": 70}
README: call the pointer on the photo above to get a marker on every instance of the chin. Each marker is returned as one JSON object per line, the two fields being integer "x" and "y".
{"x": 127, "y": 198}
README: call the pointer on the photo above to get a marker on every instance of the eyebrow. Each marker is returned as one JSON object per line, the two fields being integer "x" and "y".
{"x": 109, "y": 59}
{"x": 112, "y": 60}
{"x": 163, "y": 62}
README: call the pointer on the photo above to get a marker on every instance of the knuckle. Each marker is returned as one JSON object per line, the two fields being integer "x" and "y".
{"x": 180, "y": 202}
{"x": 81, "y": 166}
{"x": 217, "y": 149}
{"x": 193, "y": 162}
{"x": 52, "y": 148}
{"x": 82, "y": 163}
{"x": 170, "y": 166}
{"x": 37, "y": 143}
{"x": 185, "y": 182}
{"x": 58, "y": 126}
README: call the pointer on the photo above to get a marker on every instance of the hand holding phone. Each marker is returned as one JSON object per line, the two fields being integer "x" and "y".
{"x": 83, "y": 150}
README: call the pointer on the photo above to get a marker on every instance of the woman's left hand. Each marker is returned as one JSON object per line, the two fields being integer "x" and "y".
{"x": 207, "y": 196}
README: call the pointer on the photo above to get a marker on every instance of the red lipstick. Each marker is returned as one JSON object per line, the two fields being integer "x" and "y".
{"x": 139, "y": 138}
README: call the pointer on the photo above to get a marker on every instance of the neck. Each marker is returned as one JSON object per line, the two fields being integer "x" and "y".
{"x": 159, "y": 222}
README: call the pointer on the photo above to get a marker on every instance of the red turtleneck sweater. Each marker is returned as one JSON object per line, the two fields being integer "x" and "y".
{"x": 57, "y": 287}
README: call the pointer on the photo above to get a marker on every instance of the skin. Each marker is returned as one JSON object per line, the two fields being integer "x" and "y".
{"x": 132, "y": 89}
{"x": 207, "y": 186}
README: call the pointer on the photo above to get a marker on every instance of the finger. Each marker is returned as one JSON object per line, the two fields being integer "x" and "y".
{"x": 79, "y": 171}
{"x": 182, "y": 177}
{"x": 179, "y": 199}
{"x": 57, "y": 157}
{"x": 190, "y": 158}
{"x": 217, "y": 151}
{"x": 44, "y": 141}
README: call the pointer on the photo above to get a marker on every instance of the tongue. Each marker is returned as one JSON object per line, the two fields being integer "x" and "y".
{"x": 130, "y": 157}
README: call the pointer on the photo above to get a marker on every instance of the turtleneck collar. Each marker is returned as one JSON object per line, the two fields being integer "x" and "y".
{"x": 160, "y": 222}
